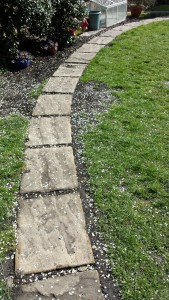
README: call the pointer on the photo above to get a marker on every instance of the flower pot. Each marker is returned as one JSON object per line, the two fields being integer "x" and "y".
{"x": 21, "y": 63}
{"x": 136, "y": 10}
{"x": 94, "y": 19}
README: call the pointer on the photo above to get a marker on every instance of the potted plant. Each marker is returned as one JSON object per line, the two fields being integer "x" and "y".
{"x": 50, "y": 47}
{"x": 137, "y": 6}
{"x": 21, "y": 60}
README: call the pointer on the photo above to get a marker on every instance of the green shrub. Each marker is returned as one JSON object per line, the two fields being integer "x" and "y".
{"x": 20, "y": 17}
{"x": 68, "y": 15}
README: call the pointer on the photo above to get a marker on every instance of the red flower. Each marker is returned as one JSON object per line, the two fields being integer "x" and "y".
{"x": 84, "y": 24}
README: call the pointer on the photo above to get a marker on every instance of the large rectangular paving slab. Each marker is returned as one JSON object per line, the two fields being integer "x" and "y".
{"x": 61, "y": 85}
{"x": 113, "y": 33}
{"x": 79, "y": 286}
{"x": 49, "y": 131}
{"x": 48, "y": 169}
{"x": 101, "y": 40}
{"x": 90, "y": 48}
{"x": 59, "y": 104}
{"x": 78, "y": 57}
{"x": 51, "y": 234}
{"x": 73, "y": 70}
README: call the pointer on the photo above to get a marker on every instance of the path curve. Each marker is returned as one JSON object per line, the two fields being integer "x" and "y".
{"x": 51, "y": 233}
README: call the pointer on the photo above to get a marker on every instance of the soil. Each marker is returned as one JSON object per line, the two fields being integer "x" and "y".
{"x": 17, "y": 91}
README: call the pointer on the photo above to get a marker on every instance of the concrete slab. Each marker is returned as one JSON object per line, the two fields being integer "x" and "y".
{"x": 48, "y": 169}
{"x": 90, "y": 48}
{"x": 51, "y": 234}
{"x": 79, "y": 286}
{"x": 82, "y": 58}
{"x": 113, "y": 33}
{"x": 61, "y": 85}
{"x": 73, "y": 70}
{"x": 90, "y": 33}
{"x": 59, "y": 104}
{"x": 49, "y": 131}
{"x": 101, "y": 40}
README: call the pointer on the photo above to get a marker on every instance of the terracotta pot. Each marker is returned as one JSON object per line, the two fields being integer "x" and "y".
{"x": 136, "y": 10}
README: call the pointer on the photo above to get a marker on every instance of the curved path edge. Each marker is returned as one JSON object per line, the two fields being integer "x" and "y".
{"x": 51, "y": 233}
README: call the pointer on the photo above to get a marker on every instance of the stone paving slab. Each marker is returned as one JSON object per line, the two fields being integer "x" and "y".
{"x": 61, "y": 85}
{"x": 49, "y": 131}
{"x": 73, "y": 70}
{"x": 90, "y": 33}
{"x": 90, "y": 48}
{"x": 113, "y": 33}
{"x": 78, "y": 286}
{"x": 101, "y": 40}
{"x": 51, "y": 234}
{"x": 59, "y": 104}
{"x": 48, "y": 169}
{"x": 78, "y": 57}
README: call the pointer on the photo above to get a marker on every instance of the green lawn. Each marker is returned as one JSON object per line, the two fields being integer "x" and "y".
{"x": 12, "y": 134}
{"x": 160, "y": 8}
{"x": 127, "y": 156}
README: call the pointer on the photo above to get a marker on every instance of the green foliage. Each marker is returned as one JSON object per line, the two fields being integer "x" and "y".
{"x": 41, "y": 18}
{"x": 20, "y": 17}
{"x": 36, "y": 92}
{"x": 68, "y": 15}
{"x": 127, "y": 160}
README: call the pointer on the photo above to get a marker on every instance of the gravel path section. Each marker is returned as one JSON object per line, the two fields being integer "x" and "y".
{"x": 52, "y": 232}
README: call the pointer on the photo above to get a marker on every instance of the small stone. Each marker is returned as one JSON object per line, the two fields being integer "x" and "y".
{"x": 82, "y": 269}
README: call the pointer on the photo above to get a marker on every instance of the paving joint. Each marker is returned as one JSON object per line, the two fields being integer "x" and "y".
{"x": 52, "y": 234}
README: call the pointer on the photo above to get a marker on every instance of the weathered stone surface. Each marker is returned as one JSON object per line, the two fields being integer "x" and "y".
{"x": 61, "y": 85}
{"x": 113, "y": 33}
{"x": 73, "y": 70}
{"x": 90, "y": 48}
{"x": 131, "y": 25}
{"x": 48, "y": 169}
{"x": 79, "y": 286}
{"x": 49, "y": 131}
{"x": 101, "y": 40}
{"x": 59, "y": 104}
{"x": 93, "y": 32}
{"x": 78, "y": 57}
{"x": 51, "y": 234}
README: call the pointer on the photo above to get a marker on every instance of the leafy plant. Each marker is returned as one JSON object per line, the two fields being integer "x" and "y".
{"x": 19, "y": 18}
{"x": 68, "y": 15}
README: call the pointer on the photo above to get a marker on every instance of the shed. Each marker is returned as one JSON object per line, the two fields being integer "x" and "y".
{"x": 112, "y": 11}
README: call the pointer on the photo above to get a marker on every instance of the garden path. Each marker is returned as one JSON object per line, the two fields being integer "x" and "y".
{"x": 51, "y": 230}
